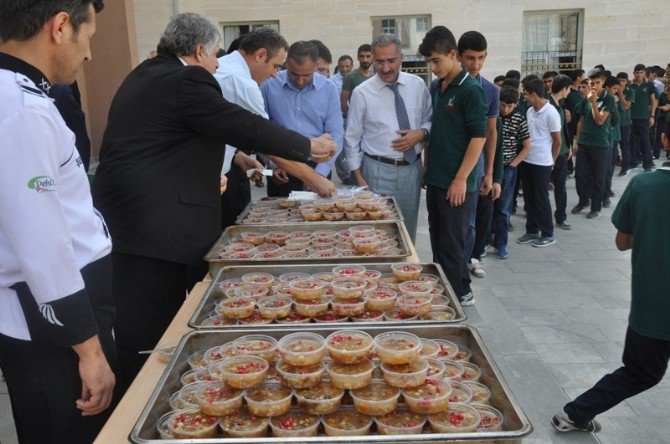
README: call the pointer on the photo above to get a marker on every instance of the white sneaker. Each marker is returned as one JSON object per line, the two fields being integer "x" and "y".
{"x": 467, "y": 300}
{"x": 475, "y": 267}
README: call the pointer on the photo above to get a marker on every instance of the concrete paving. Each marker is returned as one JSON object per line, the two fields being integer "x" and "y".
{"x": 554, "y": 320}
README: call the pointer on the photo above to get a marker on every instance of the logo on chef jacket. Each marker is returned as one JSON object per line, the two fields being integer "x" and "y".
{"x": 42, "y": 184}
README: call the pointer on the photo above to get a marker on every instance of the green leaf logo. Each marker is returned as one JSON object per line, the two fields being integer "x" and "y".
{"x": 42, "y": 184}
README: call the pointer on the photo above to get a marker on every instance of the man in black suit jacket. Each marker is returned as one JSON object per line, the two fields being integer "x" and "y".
{"x": 157, "y": 184}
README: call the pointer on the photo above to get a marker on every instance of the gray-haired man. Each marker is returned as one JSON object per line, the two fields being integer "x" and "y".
{"x": 158, "y": 180}
{"x": 389, "y": 116}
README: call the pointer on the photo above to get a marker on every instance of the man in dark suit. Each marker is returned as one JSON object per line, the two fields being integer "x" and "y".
{"x": 67, "y": 101}
{"x": 157, "y": 184}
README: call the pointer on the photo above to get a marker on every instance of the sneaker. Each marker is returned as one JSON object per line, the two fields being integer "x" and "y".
{"x": 611, "y": 193}
{"x": 482, "y": 255}
{"x": 579, "y": 207}
{"x": 544, "y": 242}
{"x": 562, "y": 422}
{"x": 593, "y": 215}
{"x": 260, "y": 184}
{"x": 623, "y": 173}
{"x": 528, "y": 238}
{"x": 475, "y": 267}
{"x": 564, "y": 225}
{"x": 502, "y": 253}
{"x": 467, "y": 300}
{"x": 607, "y": 203}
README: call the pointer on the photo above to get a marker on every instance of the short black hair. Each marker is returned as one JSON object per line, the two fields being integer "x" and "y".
{"x": 21, "y": 20}
{"x": 528, "y": 78}
{"x": 534, "y": 86}
{"x": 509, "y": 94}
{"x": 610, "y": 81}
{"x": 639, "y": 67}
{"x": 548, "y": 74}
{"x": 220, "y": 53}
{"x": 439, "y": 39}
{"x": 607, "y": 73}
{"x": 234, "y": 45}
{"x": 596, "y": 73}
{"x": 660, "y": 72}
{"x": 472, "y": 40}
{"x": 345, "y": 57}
{"x": 622, "y": 75}
{"x": 576, "y": 73}
{"x": 365, "y": 47}
{"x": 513, "y": 74}
{"x": 561, "y": 81}
{"x": 601, "y": 67}
{"x": 302, "y": 50}
{"x": 499, "y": 79}
{"x": 323, "y": 51}
{"x": 511, "y": 81}
{"x": 263, "y": 37}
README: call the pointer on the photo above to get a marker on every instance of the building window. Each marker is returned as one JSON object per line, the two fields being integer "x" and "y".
{"x": 231, "y": 31}
{"x": 422, "y": 24}
{"x": 388, "y": 26}
{"x": 552, "y": 41}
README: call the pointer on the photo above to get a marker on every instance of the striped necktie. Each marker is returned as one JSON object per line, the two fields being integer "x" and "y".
{"x": 403, "y": 121}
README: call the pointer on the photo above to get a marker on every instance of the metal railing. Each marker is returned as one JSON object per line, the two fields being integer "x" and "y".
{"x": 538, "y": 62}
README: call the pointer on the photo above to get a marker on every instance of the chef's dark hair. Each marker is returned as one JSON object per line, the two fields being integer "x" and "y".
{"x": 21, "y": 20}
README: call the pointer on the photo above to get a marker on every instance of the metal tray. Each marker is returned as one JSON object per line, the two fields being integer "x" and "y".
{"x": 394, "y": 216}
{"x": 216, "y": 262}
{"x": 206, "y": 304}
{"x": 515, "y": 426}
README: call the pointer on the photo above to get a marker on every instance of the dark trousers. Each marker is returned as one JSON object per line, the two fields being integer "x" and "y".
{"x": 625, "y": 145}
{"x": 284, "y": 189}
{"x": 645, "y": 361}
{"x": 592, "y": 164}
{"x": 43, "y": 380}
{"x": 448, "y": 227}
{"x": 535, "y": 183}
{"x": 614, "y": 151}
{"x": 655, "y": 136}
{"x": 640, "y": 144}
{"x": 484, "y": 212}
{"x": 148, "y": 293}
{"x": 502, "y": 208}
{"x": 236, "y": 197}
{"x": 558, "y": 177}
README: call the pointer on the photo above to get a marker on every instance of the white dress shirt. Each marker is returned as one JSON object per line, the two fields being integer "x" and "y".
{"x": 540, "y": 126}
{"x": 372, "y": 123}
{"x": 240, "y": 88}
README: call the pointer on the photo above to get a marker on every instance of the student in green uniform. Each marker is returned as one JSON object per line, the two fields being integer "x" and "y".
{"x": 457, "y": 137}
{"x": 626, "y": 100}
{"x": 612, "y": 87}
{"x": 641, "y": 218}
{"x": 357, "y": 76}
{"x": 664, "y": 111}
{"x": 592, "y": 141}
{"x": 642, "y": 113}
{"x": 560, "y": 88}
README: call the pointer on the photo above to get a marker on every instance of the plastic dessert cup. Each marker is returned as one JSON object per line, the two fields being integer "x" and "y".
{"x": 397, "y": 347}
{"x": 268, "y": 399}
{"x": 377, "y": 398}
{"x": 312, "y": 307}
{"x": 471, "y": 372}
{"x": 405, "y": 375}
{"x": 369, "y": 316}
{"x": 319, "y": 400}
{"x": 388, "y": 281}
{"x": 480, "y": 393}
{"x": 414, "y": 305}
{"x": 214, "y": 354}
{"x": 252, "y": 238}
{"x": 356, "y": 215}
{"x": 453, "y": 370}
{"x": 380, "y": 299}
{"x": 415, "y": 288}
{"x": 163, "y": 426}
{"x": 293, "y": 276}
{"x": 294, "y": 424}
{"x": 429, "y": 348}
{"x": 197, "y": 360}
{"x": 448, "y": 349}
{"x": 348, "y": 287}
{"x": 458, "y": 418}
{"x": 439, "y": 313}
{"x": 296, "y": 245}
{"x": 430, "y": 397}
{"x": 216, "y": 399}
{"x": 272, "y": 254}
{"x": 435, "y": 369}
{"x": 349, "y": 271}
{"x": 349, "y": 346}
{"x": 406, "y": 272}
{"x": 324, "y": 277}
{"x": 311, "y": 215}
{"x": 348, "y": 307}
{"x": 491, "y": 418}
{"x": 304, "y": 376}
{"x": 346, "y": 205}
{"x": 274, "y": 307}
{"x": 464, "y": 353}
{"x": 276, "y": 237}
{"x": 350, "y": 376}
{"x": 192, "y": 424}
{"x": 347, "y": 422}
{"x": 459, "y": 392}
{"x": 378, "y": 215}
{"x": 330, "y": 317}
{"x": 400, "y": 422}
{"x": 306, "y": 289}
{"x": 368, "y": 245}
{"x": 218, "y": 321}
{"x": 302, "y": 348}
{"x": 294, "y": 318}
{"x": 261, "y": 346}
{"x": 363, "y": 195}
{"x": 255, "y": 318}
{"x": 281, "y": 290}
{"x": 334, "y": 216}
{"x": 396, "y": 315}
{"x": 241, "y": 371}
{"x": 326, "y": 205}
{"x": 264, "y": 279}
{"x": 236, "y": 307}
{"x": 243, "y": 424}
{"x": 254, "y": 292}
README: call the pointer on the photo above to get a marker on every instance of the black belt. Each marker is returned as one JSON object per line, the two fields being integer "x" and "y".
{"x": 394, "y": 162}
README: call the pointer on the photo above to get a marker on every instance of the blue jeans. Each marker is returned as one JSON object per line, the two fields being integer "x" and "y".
{"x": 640, "y": 134}
{"x": 472, "y": 224}
{"x": 502, "y": 208}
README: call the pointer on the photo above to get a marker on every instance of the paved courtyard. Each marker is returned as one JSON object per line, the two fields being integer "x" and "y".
{"x": 554, "y": 320}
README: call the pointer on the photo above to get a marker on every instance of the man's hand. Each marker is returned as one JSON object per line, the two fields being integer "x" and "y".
{"x": 320, "y": 185}
{"x": 568, "y": 116}
{"x": 279, "y": 176}
{"x": 247, "y": 163}
{"x": 487, "y": 185}
{"x": 496, "y": 190}
{"x": 456, "y": 192}
{"x": 223, "y": 184}
{"x": 407, "y": 140}
{"x": 651, "y": 121}
{"x": 593, "y": 97}
{"x": 97, "y": 379}
{"x": 323, "y": 148}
